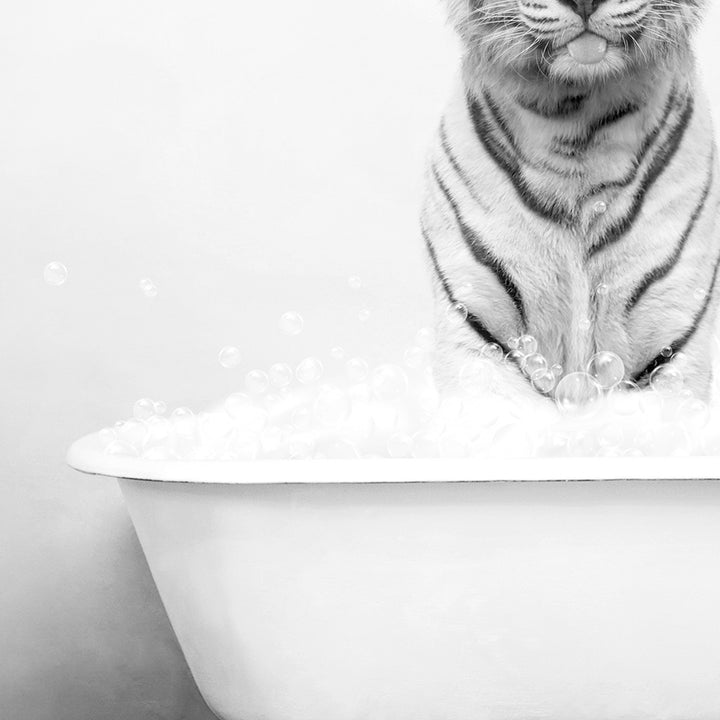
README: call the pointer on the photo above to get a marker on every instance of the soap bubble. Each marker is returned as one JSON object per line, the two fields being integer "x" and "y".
{"x": 513, "y": 343}
{"x": 667, "y": 380}
{"x": 534, "y": 362}
{"x": 355, "y": 282}
{"x": 337, "y": 353}
{"x": 607, "y": 369}
{"x": 364, "y": 315}
{"x": 257, "y": 382}
{"x": 425, "y": 338}
{"x": 456, "y": 314}
{"x": 699, "y": 293}
{"x": 148, "y": 288}
{"x": 159, "y": 429}
{"x": 291, "y": 323}
{"x": 600, "y": 207}
{"x": 309, "y": 371}
{"x": 183, "y": 420}
{"x": 543, "y": 380}
{"x": 585, "y": 324}
{"x": 624, "y": 398}
{"x": 389, "y": 383}
{"x": 133, "y": 432}
{"x": 332, "y": 406}
{"x": 557, "y": 370}
{"x": 281, "y": 375}
{"x": 357, "y": 370}
{"x": 55, "y": 273}
{"x": 602, "y": 290}
{"x": 247, "y": 415}
{"x": 492, "y": 351}
{"x": 160, "y": 407}
{"x": 527, "y": 344}
{"x": 143, "y": 409}
{"x": 229, "y": 357}
{"x": 667, "y": 352}
{"x": 514, "y": 357}
{"x": 576, "y": 391}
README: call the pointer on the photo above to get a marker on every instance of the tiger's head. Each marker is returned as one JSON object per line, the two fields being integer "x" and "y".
{"x": 575, "y": 40}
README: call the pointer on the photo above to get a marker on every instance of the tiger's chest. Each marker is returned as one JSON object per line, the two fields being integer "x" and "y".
{"x": 589, "y": 234}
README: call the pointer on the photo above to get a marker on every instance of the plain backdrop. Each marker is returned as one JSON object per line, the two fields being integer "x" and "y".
{"x": 248, "y": 158}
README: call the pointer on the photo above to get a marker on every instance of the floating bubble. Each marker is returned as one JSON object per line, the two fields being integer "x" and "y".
{"x": 247, "y": 415}
{"x": 557, "y": 370}
{"x": 699, "y": 293}
{"x": 492, "y": 351}
{"x": 355, "y": 282}
{"x": 332, "y": 406}
{"x": 543, "y": 380}
{"x": 607, "y": 369}
{"x": 600, "y": 207}
{"x": 602, "y": 290}
{"x": 55, "y": 274}
{"x": 337, "y": 353}
{"x": 281, "y": 375}
{"x": 514, "y": 358}
{"x": 456, "y": 314}
{"x": 364, "y": 315}
{"x": 357, "y": 370}
{"x": 148, "y": 288}
{"x": 291, "y": 323}
{"x": 667, "y": 380}
{"x": 513, "y": 343}
{"x": 143, "y": 409}
{"x": 229, "y": 357}
{"x": 389, "y": 383}
{"x": 527, "y": 344}
{"x": 576, "y": 391}
{"x": 585, "y": 324}
{"x": 309, "y": 371}
{"x": 425, "y": 338}
{"x": 160, "y": 407}
{"x": 257, "y": 382}
{"x": 667, "y": 352}
{"x": 399, "y": 445}
{"x": 533, "y": 363}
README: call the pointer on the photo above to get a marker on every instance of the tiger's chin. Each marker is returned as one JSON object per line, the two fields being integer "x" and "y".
{"x": 569, "y": 68}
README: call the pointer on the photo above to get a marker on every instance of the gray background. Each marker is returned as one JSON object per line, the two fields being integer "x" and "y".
{"x": 246, "y": 157}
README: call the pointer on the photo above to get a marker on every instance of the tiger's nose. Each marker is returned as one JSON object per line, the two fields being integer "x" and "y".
{"x": 584, "y": 8}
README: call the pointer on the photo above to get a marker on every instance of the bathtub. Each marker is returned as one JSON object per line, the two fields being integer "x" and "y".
{"x": 436, "y": 590}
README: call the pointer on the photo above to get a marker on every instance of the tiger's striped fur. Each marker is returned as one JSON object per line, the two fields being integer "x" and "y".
{"x": 530, "y": 151}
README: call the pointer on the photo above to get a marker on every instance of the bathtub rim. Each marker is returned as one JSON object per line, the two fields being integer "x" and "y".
{"x": 87, "y": 456}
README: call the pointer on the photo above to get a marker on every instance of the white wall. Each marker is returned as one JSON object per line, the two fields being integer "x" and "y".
{"x": 248, "y": 158}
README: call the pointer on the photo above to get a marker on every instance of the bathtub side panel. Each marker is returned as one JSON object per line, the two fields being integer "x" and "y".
{"x": 400, "y": 602}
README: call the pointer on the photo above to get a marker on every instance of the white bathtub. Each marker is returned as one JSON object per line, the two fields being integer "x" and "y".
{"x": 421, "y": 590}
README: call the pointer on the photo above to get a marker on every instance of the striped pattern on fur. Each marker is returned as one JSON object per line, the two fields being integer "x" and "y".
{"x": 515, "y": 230}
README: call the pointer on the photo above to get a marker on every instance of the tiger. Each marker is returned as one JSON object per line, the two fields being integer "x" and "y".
{"x": 572, "y": 194}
